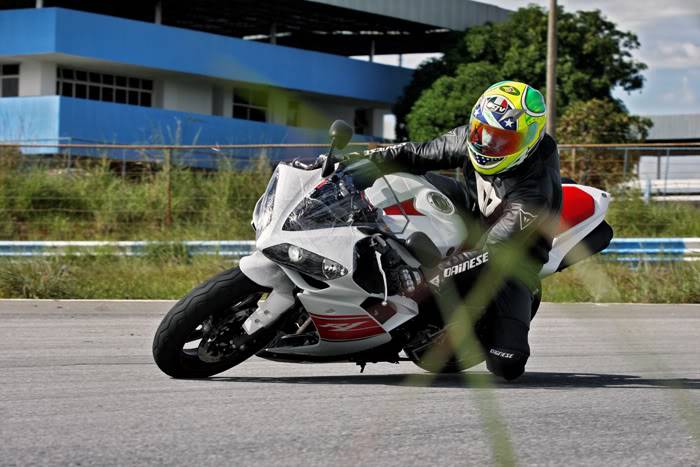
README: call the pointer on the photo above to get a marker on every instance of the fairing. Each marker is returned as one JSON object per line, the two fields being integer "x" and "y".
{"x": 328, "y": 217}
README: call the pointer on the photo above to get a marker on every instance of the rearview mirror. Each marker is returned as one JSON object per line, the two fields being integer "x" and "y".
{"x": 340, "y": 133}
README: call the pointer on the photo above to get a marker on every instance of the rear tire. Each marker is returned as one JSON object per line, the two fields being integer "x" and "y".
{"x": 214, "y": 299}
{"x": 451, "y": 366}
{"x": 440, "y": 357}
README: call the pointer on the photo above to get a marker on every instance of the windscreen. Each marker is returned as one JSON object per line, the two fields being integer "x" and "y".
{"x": 339, "y": 201}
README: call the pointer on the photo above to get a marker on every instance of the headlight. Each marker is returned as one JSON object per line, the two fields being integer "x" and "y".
{"x": 262, "y": 215}
{"x": 305, "y": 261}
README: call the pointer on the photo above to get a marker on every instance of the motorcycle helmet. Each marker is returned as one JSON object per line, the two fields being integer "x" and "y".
{"x": 505, "y": 127}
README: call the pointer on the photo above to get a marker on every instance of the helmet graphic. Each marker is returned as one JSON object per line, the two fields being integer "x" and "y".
{"x": 505, "y": 126}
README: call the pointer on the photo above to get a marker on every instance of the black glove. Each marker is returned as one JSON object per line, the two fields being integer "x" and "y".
{"x": 405, "y": 280}
{"x": 401, "y": 278}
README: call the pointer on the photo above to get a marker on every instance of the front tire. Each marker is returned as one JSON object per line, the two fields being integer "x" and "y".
{"x": 228, "y": 294}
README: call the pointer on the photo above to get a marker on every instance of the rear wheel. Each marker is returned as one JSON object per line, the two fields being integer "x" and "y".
{"x": 452, "y": 365}
{"x": 444, "y": 358}
{"x": 202, "y": 334}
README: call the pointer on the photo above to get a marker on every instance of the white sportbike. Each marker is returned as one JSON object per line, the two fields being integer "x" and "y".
{"x": 318, "y": 289}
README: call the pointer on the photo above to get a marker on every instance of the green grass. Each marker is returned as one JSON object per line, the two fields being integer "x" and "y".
{"x": 93, "y": 202}
{"x": 631, "y": 217}
{"x": 596, "y": 281}
{"x": 171, "y": 274}
{"x": 106, "y": 277}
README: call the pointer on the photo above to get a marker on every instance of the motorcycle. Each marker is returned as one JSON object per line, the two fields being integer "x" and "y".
{"x": 317, "y": 288}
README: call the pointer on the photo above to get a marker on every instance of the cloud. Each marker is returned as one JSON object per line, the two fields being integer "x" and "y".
{"x": 671, "y": 43}
{"x": 674, "y": 55}
{"x": 686, "y": 94}
{"x": 628, "y": 14}
{"x": 632, "y": 14}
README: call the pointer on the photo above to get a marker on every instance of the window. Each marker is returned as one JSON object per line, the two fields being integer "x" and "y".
{"x": 9, "y": 80}
{"x": 293, "y": 113}
{"x": 250, "y": 104}
{"x": 103, "y": 87}
{"x": 362, "y": 121}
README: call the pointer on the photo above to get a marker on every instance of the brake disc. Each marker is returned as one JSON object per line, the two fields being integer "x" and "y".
{"x": 221, "y": 340}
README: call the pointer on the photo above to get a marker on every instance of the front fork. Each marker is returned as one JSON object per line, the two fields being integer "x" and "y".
{"x": 268, "y": 274}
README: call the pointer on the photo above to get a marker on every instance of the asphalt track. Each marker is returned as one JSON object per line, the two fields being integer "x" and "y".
{"x": 607, "y": 385}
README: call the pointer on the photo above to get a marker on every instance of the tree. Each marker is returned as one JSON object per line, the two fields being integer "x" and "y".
{"x": 448, "y": 102}
{"x": 599, "y": 121}
{"x": 424, "y": 76}
{"x": 593, "y": 58}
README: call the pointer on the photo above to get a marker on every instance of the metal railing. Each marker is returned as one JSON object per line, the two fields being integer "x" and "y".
{"x": 620, "y": 249}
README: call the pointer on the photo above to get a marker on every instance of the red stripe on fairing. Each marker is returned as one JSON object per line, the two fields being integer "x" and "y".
{"x": 409, "y": 208}
{"x": 346, "y": 327}
{"x": 576, "y": 207}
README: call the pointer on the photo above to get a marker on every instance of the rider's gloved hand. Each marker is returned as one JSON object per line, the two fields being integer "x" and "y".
{"x": 407, "y": 280}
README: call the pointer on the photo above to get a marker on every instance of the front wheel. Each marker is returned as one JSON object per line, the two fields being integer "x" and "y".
{"x": 202, "y": 334}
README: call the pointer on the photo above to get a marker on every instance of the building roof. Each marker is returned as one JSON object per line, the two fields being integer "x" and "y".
{"x": 456, "y": 15}
{"x": 343, "y": 27}
{"x": 675, "y": 128}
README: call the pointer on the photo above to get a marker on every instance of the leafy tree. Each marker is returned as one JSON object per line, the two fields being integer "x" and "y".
{"x": 593, "y": 58}
{"x": 448, "y": 102}
{"x": 599, "y": 121}
{"x": 424, "y": 76}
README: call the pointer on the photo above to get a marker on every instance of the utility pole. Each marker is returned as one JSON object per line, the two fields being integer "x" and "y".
{"x": 552, "y": 69}
{"x": 158, "y": 19}
{"x": 273, "y": 34}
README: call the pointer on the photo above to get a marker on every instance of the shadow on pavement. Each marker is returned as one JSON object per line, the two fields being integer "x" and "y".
{"x": 539, "y": 380}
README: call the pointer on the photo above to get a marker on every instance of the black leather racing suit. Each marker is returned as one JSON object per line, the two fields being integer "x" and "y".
{"x": 517, "y": 211}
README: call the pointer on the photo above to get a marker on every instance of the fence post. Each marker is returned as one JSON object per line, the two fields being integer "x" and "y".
{"x": 668, "y": 160}
{"x": 647, "y": 191}
{"x": 624, "y": 168}
{"x": 658, "y": 167}
{"x": 573, "y": 163}
{"x": 169, "y": 188}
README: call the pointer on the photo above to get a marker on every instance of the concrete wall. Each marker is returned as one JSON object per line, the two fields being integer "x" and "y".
{"x": 200, "y": 95}
{"x": 135, "y": 43}
{"x": 187, "y": 95}
{"x": 37, "y": 78}
{"x": 29, "y": 119}
{"x": 63, "y": 119}
{"x": 193, "y": 73}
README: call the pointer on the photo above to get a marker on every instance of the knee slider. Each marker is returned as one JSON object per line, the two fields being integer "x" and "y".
{"x": 508, "y": 364}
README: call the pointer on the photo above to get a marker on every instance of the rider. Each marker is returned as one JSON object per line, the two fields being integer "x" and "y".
{"x": 513, "y": 180}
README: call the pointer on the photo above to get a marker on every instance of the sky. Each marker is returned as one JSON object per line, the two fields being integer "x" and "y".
{"x": 669, "y": 33}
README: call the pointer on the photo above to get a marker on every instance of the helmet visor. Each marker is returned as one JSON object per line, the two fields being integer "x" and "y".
{"x": 489, "y": 141}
